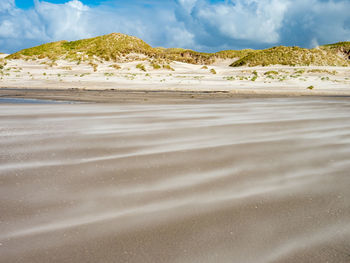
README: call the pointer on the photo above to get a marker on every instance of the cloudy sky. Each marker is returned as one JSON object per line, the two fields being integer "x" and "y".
{"x": 203, "y": 25}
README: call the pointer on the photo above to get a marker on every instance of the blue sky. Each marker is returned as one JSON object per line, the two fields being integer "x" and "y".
{"x": 203, "y": 25}
{"x": 25, "y": 4}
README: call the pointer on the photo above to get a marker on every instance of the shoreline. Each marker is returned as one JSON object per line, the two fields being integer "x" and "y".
{"x": 150, "y": 96}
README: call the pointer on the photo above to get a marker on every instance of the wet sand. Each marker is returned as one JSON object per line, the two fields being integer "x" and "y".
{"x": 144, "y": 96}
{"x": 225, "y": 180}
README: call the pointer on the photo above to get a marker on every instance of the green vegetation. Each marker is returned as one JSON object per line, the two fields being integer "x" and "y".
{"x": 229, "y": 78}
{"x": 141, "y": 67}
{"x": 168, "y": 67}
{"x": 115, "y": 66}
{"x": 310, "y": 87}
{"x": 231, "y": 54}
{"x": 116, "y": 47}
{"x": 255, "y": 76}
{"x": 120, "y": 48}
{"x": 271, "y": 72}
{"x": 66, "y": 68}
{"x": 328, "y": 55}
{"x": 108, "y": 47}
{"x": 113, "y": 47}
{"x": 155, "y": 65}
{"x": 334, "y": 72}
{"x": 3, "y": 63}
{"x": 184, "y": 55}
{"x": 299, "y": 71}
{"x": 204, "y": 67}
{"x": 84, "y": 74}
{"x": 213, "y": 71}
{"x": 94, "y": 66}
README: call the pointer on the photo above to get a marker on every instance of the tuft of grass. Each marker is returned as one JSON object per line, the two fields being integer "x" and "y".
{"x": 66, "y": 68}
{"x": 310, "y": 87}
{"x": 94, "y": 66}
{"x": 115, "y": 66}
{"x": 84, "y": 74}
{"x": 141, "y": 67}
{"x": 299, "y": 71}
{"x": 204, "y": 67}
{"x": 334, "y": 72}
{"x": 212, "y": 71}
{"x": 271, "y": 72}
{"x": 255, "y": 76}
{"x": 155, "y": 65}
{"x": 168, "y": 67}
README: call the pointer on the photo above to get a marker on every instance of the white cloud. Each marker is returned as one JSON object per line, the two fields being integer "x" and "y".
{"x": 187, "y": 5}
{"x": 63, "y": 21}
{"x": 318, "y": 21}
{"x": 72, "y": 20}
{"x": 196, "y": 24}
{"x": 6, "y": 5}
{"x": 246, "y": 20}
{"x": 46, "y": 22}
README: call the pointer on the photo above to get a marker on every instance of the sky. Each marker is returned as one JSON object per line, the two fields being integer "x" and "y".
{"x": 202, "y": 25}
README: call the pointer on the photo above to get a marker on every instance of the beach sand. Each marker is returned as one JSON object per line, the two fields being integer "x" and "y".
{"x": 245, "y": 180}
{"x": 174, "y": 166}
{"x": 274, "y": 80}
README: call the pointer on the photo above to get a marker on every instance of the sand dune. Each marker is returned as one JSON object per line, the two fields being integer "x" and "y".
{"x": 45, "y": 74}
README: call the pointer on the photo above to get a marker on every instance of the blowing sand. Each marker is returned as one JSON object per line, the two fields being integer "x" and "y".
{"x": 276, "y": 80}
{"x": 249, "y": 180}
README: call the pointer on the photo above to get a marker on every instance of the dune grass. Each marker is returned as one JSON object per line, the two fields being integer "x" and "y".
{"x": 118, "y": 47}
{"x": 141, "y": 67}
{"x": 329, "y": 55}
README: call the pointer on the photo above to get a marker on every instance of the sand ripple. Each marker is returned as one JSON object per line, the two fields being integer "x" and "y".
{"x": 247, "y": 180}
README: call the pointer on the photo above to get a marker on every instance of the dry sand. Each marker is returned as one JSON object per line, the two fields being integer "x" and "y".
{"x": 42, "y": 74}
{"x": 143, "y": 179}
{"x": 249, "y": 180}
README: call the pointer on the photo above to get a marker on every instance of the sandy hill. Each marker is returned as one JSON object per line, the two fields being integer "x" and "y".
{"x": 123, "y": 48}
{"x": 328, "y": 55}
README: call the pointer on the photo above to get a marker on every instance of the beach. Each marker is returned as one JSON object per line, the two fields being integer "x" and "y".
{"x": 178, "y": 77}
{"x": 180, "y": 131}
{"x": 154, "y": 179}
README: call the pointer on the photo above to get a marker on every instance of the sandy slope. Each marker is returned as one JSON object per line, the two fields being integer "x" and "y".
{"x": 184, "y": 77}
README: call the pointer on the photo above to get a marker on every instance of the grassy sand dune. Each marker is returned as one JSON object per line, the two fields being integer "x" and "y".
{"x": 121, "y": 62}
{"x": 329, "y": 55}
{"x": 123, "y": 48}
